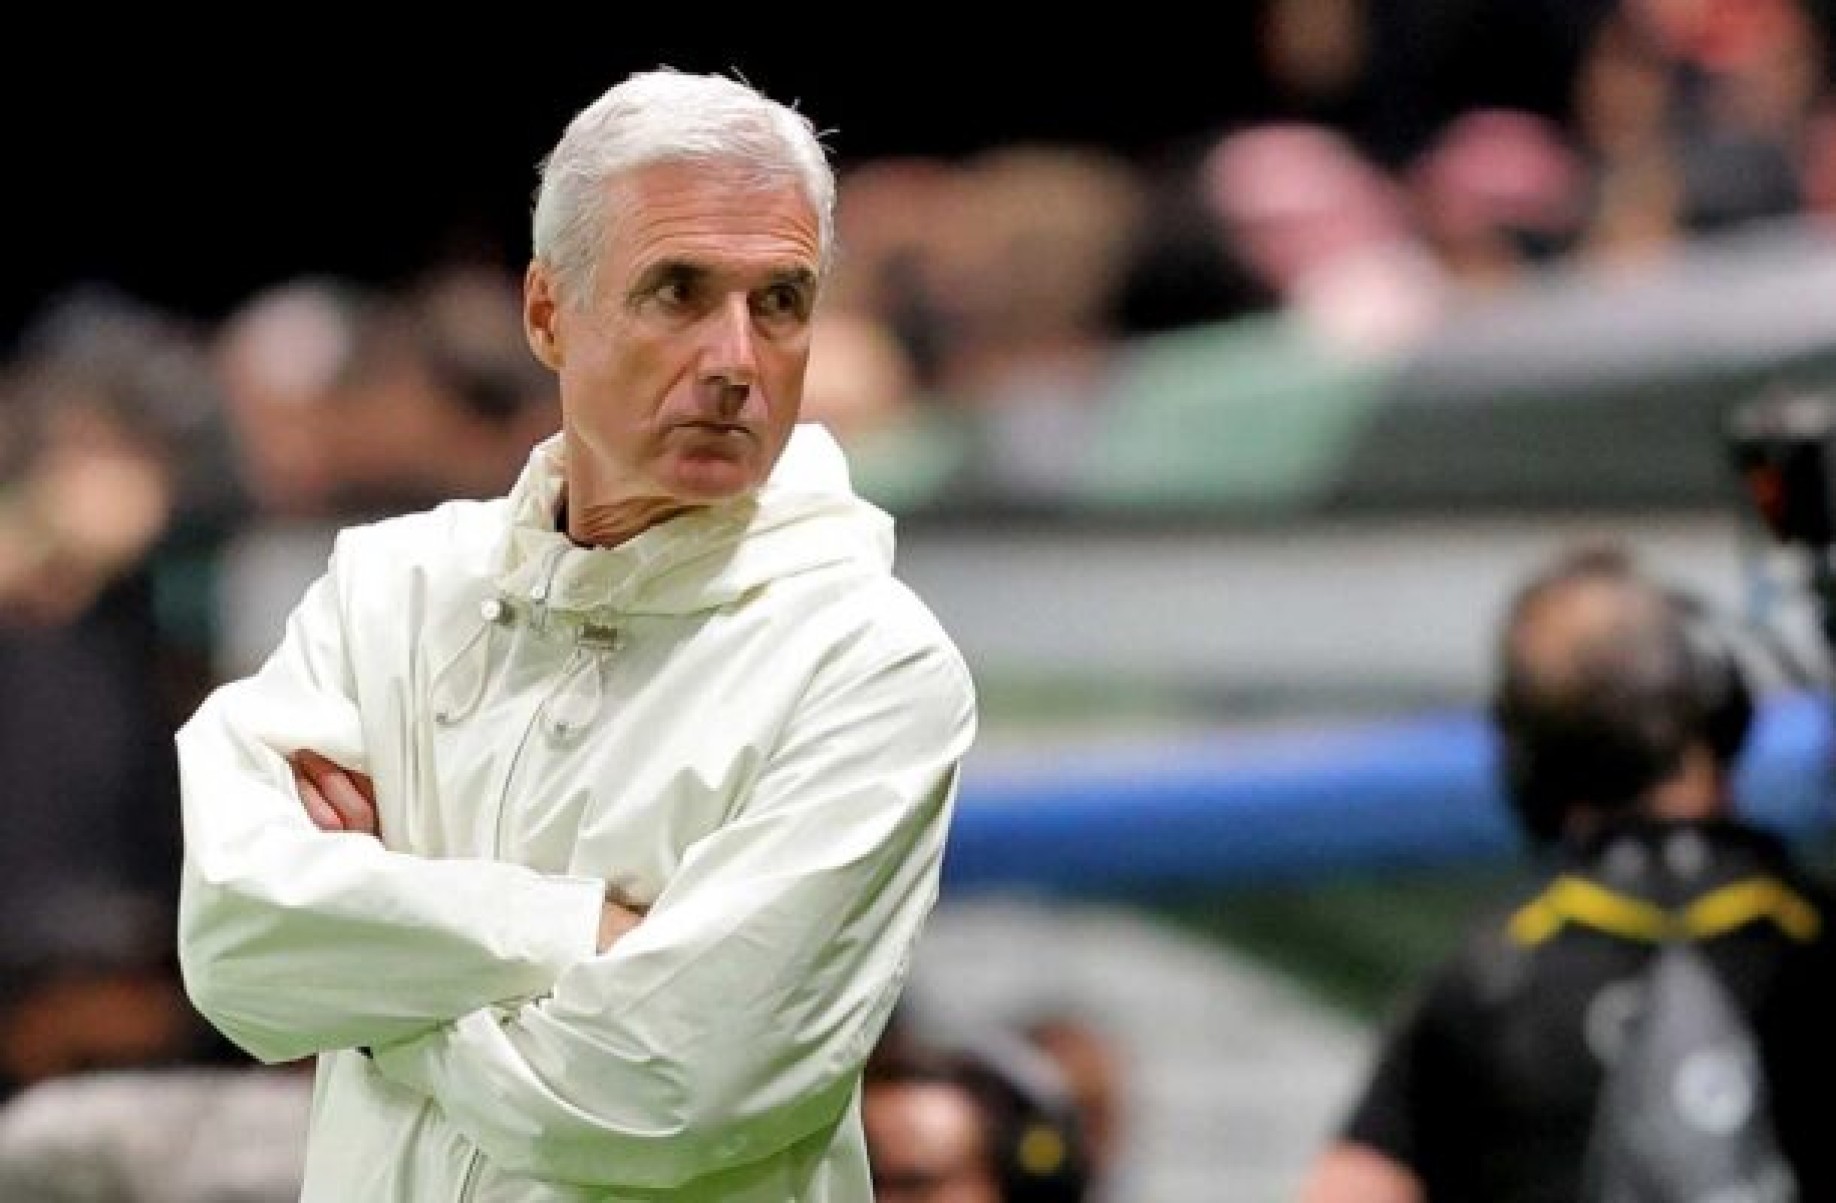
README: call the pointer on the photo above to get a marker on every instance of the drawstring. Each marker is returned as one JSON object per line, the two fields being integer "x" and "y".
{"x": 574, "y": 702}
{"x": 539, "y": 592}
{"x": 578, "y": 696}
{"x": 450, "y": 709}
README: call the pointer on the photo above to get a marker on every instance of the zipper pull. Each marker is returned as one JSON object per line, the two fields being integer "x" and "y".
{"x": 576, "y": 703}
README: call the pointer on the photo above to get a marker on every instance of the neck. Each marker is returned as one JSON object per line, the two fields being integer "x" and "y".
{"x": 1698, "y": 790}
{"x": 599, "y": 509}
{"x": 609, "y": 525}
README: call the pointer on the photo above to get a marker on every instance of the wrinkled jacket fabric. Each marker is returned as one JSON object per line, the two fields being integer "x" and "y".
{"x": 738, "y": 719}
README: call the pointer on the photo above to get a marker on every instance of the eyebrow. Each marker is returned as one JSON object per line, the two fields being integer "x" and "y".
{"x": 665, "y": 270}
{"x": 797, "y": 277}
{"x": 694, "y": 272}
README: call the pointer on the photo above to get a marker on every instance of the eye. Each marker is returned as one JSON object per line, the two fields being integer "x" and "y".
{"x": 784, "y": 300}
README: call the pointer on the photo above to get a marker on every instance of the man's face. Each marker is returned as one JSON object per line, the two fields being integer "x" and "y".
{"x": 682, "y": 375}
{"x": 926, "y": 1145}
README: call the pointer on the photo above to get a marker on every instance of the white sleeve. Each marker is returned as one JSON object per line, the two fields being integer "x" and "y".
{"x": 735, "y": 1019}
{"x": 292, "y": 940}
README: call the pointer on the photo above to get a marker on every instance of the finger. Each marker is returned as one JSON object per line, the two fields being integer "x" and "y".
{"x": 338, "y": 787}
{"x": 322, "y": 767}
{"x": 615, "y": 922}
{"x": 342, "y": 792}
{"x": 321, "y": 812}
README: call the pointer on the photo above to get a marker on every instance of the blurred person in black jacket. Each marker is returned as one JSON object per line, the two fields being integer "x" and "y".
{"x": 95, "y": 409}
{"x": 1621, "y": 712}
{"x": 991, "y": 1120}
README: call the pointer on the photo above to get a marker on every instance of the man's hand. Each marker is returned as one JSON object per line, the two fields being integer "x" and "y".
{"x": 336, "y": 798}
{"x": 615, "y": 919}
{"x": 339, "y": 800}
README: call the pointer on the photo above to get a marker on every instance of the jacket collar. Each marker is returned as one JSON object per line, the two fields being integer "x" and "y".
{"x": 805, "y": 516}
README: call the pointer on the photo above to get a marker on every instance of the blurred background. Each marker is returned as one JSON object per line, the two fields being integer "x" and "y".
{"x": 1224, "y": 374}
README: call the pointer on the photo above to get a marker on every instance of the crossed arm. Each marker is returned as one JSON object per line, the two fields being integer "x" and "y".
{"x": 340, "y": 799}
{"x": 570, "y": 1038}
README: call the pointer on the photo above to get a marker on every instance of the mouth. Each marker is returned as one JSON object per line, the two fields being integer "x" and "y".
{"x": 718, "y": 428}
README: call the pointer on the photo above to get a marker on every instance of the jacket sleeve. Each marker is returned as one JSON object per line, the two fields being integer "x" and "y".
{"x": 292, "y": 940}
{"x": 735, "y": 1019}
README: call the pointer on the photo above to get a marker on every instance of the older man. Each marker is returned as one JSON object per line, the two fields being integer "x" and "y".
{"x": 586, "y": 833}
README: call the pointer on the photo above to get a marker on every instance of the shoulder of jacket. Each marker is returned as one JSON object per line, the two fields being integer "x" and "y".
{"x": 891, "y": 620}
{"x": 449, "y": 534}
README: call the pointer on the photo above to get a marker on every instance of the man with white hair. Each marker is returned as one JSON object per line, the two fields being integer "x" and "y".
{"x": 585, "y": 834}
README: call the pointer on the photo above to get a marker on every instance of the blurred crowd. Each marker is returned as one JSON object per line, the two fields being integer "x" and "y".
{"x": 1006, "y": 277}
{"x": 169, "y": 484}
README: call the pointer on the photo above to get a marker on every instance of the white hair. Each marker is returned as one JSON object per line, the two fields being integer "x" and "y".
{"x": 666, "y": 116}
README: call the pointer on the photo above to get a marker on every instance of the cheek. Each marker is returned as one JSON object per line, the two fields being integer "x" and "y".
{"x": 604, "y": 374}
{"x": 786, "y": 384}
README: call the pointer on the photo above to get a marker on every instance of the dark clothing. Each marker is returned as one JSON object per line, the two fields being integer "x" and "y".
{"x": 91, "y": 793}
{"x": 1486, "y": 1087}
{"x": 89, "y": 864}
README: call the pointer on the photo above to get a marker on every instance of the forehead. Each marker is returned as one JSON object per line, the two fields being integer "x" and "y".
{"x": 716, "y": 216}
{"x": 1580, "y": 614}
{"x": 927, "y": 1120}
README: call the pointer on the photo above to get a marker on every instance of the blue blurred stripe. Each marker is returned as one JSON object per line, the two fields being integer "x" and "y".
{"x": 1243, "y": 810}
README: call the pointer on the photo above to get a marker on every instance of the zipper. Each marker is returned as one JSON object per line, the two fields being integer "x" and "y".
{"x": 538, "y": 622}
{"x": 592, "y": 645}
{"x": 516, "y": 762}
{"x": 468, "y": 1182}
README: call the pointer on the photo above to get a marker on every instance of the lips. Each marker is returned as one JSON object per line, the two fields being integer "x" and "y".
{"x": 711, "y": 426}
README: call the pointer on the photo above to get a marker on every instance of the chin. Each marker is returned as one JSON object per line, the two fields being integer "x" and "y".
{"x": 709, "y": 481}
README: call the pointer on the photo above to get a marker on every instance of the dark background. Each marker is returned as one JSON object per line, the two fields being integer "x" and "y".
{"x": 189, "y": 164}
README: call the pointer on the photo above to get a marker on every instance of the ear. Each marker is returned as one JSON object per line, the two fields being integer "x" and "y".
{"x": 541, "y": 314}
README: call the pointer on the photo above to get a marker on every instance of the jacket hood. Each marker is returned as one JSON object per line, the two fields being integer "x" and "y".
{"x": 806, "y": 516}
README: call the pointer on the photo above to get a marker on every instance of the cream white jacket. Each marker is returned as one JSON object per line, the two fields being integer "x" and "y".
{"x": 739, "y": 719}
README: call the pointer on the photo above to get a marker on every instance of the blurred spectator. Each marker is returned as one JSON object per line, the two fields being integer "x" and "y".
{"x": 1092, "y": 1070}
{"x": 892, "y": 218}
{"x": 1622, "y": 102}
{"x": 1033, "y": 264}
{"x": 1180, "y": 271}
{"x": 989, "y": 1124}
{"x": 279, "y": 355}
{"x": 1500, "y": 193}
{"x": 1317, "y": 54}
{"x": 1820, "y": 163}
{"x": 337, "y": 392}
{"x": 1696, "y": 114}
{"x": 1327, "y": 63}
{"x": 339, "y": 395}
{"x": 446, "y": 365}
{"x": 860, "y": 381}
{"x": 1621, "y": 712}
{"x": 194, "y": 1135}
{"x": 101, "y": 404}
{"x": 1328, "y": 233}
{"x": 1033, "y": 268}
{"x": 105, "y": 396}
{"x": 88, "y": 981}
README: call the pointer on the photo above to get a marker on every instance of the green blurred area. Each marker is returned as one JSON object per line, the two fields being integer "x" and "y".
{"x": 1576, "y": 391}
{"x": 1358, "y": 945}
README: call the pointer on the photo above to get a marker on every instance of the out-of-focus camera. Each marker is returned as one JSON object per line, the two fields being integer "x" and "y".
{"x": 1784, "y": 447}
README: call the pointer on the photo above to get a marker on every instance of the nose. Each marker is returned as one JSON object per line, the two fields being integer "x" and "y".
{"x": 730, "y": 364}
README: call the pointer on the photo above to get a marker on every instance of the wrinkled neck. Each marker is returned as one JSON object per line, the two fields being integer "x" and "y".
{"x": 609, "y": 525}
